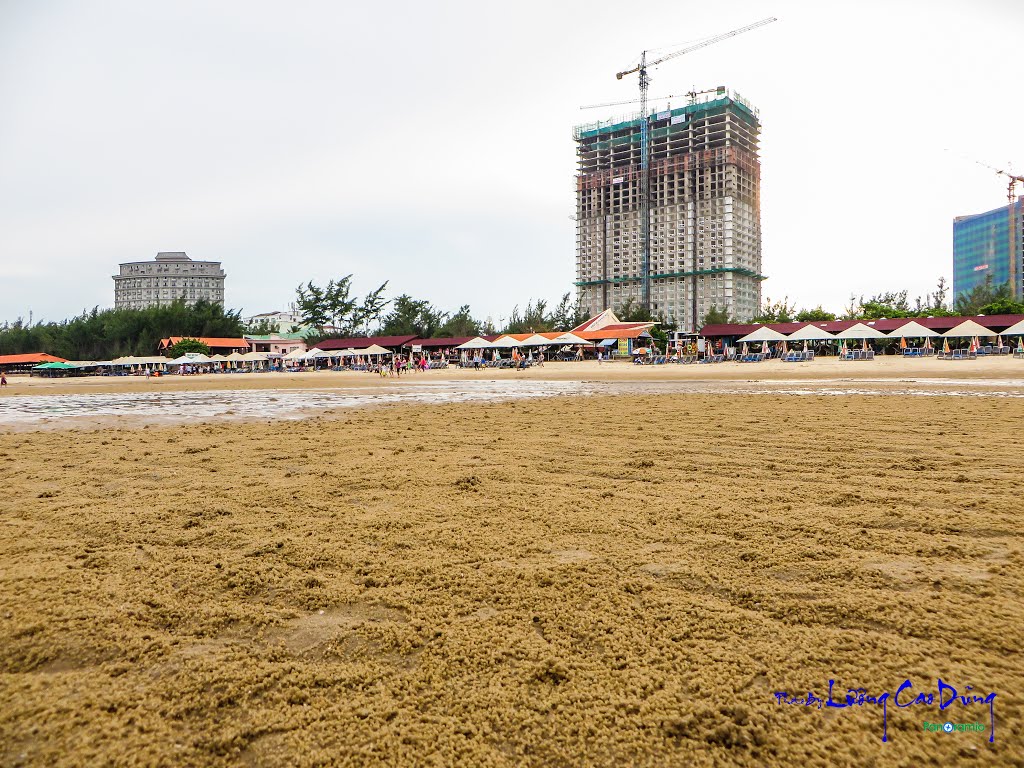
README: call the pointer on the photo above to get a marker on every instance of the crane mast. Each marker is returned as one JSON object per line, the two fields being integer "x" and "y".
{"x": 645, "y": 160}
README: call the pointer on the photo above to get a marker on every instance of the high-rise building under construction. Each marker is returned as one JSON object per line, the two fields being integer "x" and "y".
{"x": 704, "y": 212}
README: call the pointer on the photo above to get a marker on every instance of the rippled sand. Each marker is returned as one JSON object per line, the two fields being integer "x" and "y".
{"x": 601, "y": 580}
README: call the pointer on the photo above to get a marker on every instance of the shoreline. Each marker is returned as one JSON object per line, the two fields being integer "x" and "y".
{"x": 821, "y": 369}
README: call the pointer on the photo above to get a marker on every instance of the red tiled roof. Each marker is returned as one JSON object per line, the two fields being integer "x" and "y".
{"x": 212, "y": 342}
{"x": 30, "y": 357}
{"x": 362, "y": 342}
{"x": 615, "y": 332}
{"x": 451, "y": 341}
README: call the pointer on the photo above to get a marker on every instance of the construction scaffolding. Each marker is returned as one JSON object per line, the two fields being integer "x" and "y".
{"x": 703, "y": 211}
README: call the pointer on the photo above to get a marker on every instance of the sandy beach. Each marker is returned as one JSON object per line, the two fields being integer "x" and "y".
{"x": 604, "y": 580}
{"x": 824, "y": 368}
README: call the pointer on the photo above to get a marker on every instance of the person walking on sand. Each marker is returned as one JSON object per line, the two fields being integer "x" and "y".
{"x": 3, "y": 379}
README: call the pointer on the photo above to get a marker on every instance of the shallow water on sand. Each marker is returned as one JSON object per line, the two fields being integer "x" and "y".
{"x": 28, "y": 411}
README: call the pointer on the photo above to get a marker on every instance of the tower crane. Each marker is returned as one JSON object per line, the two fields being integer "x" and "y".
{"x": 1011, "y": 190}
{"x": 645, "y": 181}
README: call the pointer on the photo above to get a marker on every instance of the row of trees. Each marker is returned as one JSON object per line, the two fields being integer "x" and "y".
{"x": 109, "y": 333}
{"x": 986, "y": 299}
{"x": 333, "y": 311}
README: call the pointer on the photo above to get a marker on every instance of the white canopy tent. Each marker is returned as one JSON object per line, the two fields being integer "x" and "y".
{"x": 506, "y": 342}
{"x": 860, "y": 331}
{"x": 132, "y": 360}
{"x": 763, "y": 334}
{"x": 298, "y": 354}
{"x": 376, "y": 350}
{"x": 913, "y": 330}
{"x": 1017, "y": 329}
{"x": 969, "y": 328}
{"x": 236, "y": 356}
{"x": 476, "y": 343}
{"x": 198, "y": 359}
{"x": 568, "y": 338}
{"x": 255, "y": 357}
{"x": 536, "y": 341}
{"x": 809, "y": 332}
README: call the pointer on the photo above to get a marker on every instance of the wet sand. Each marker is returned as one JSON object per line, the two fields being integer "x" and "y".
{"x": 560, "y": 581}
{"x": 891, "y": 367}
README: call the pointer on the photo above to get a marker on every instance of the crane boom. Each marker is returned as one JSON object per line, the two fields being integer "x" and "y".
{"x": 698, "y": 46}
{"x": 645, "y": 181}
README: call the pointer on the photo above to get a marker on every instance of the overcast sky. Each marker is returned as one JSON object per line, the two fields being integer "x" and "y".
{"x": 429, "y": 144}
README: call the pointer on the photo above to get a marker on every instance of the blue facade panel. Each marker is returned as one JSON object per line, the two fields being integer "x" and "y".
{"x": 981, "y": 248}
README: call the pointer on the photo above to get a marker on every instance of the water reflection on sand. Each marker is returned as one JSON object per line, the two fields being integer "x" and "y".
{"x": 73, "y": 410}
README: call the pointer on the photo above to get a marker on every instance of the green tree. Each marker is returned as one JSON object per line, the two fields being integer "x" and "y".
{"x": 105, "y": 334}
{"x": 372, "y": 307}
{"x": 778, "y": 312}
{"x": 311, "y": 301}
{"x": 411, "y": 316}
{"x": 459, "y": 324}
{"x": 987, "y": 294}
{"x": 1003, "y": 306}
{"x": 334, "y": 304}
{"x": 186, "y": 346}
{"x": 716, "y": 316}
{"x": 814, "y": 315}
{"x": 262, "y": 327}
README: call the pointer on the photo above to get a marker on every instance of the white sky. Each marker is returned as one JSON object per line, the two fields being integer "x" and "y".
{"x": 430, "y": 144}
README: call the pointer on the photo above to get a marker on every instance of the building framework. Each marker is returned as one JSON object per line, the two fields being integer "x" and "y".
{"x": 704, "y": 212}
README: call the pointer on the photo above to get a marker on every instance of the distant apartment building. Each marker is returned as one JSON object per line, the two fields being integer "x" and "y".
{"x": 703, "y": 213}
{"x": 169, "y": 277}
{"x": 284, "y": 322}
{"x": 989, "y": 244}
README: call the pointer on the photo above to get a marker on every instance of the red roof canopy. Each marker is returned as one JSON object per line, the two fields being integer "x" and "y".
{"x": 30, "y": 357}
{"x": 211, "y": 342}
{"x": 362, "y": 342}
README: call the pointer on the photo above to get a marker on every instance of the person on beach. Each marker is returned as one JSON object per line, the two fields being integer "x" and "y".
{"x": 3, "y": 379}
{"x": 540, "y": 359}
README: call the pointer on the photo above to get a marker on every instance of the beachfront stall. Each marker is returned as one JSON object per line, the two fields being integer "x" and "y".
{"x": 858, "y": 332}
{"x": 763, "y": 336}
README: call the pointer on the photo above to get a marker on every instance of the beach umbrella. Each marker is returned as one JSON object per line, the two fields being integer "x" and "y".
{"x": 945, "y": 346}
{"x": 785, "y": 348}
{"x": 1020, "y": 343}
{"x": 842, "y": 347}
{"x": 805, "y": 345}
{"x": 903, "y": 342}
{"x": 999, "y": 340}
{"x": 745, "y": 349}
{"x": 927, "y": 343}
{"x": 764, "y": 346}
